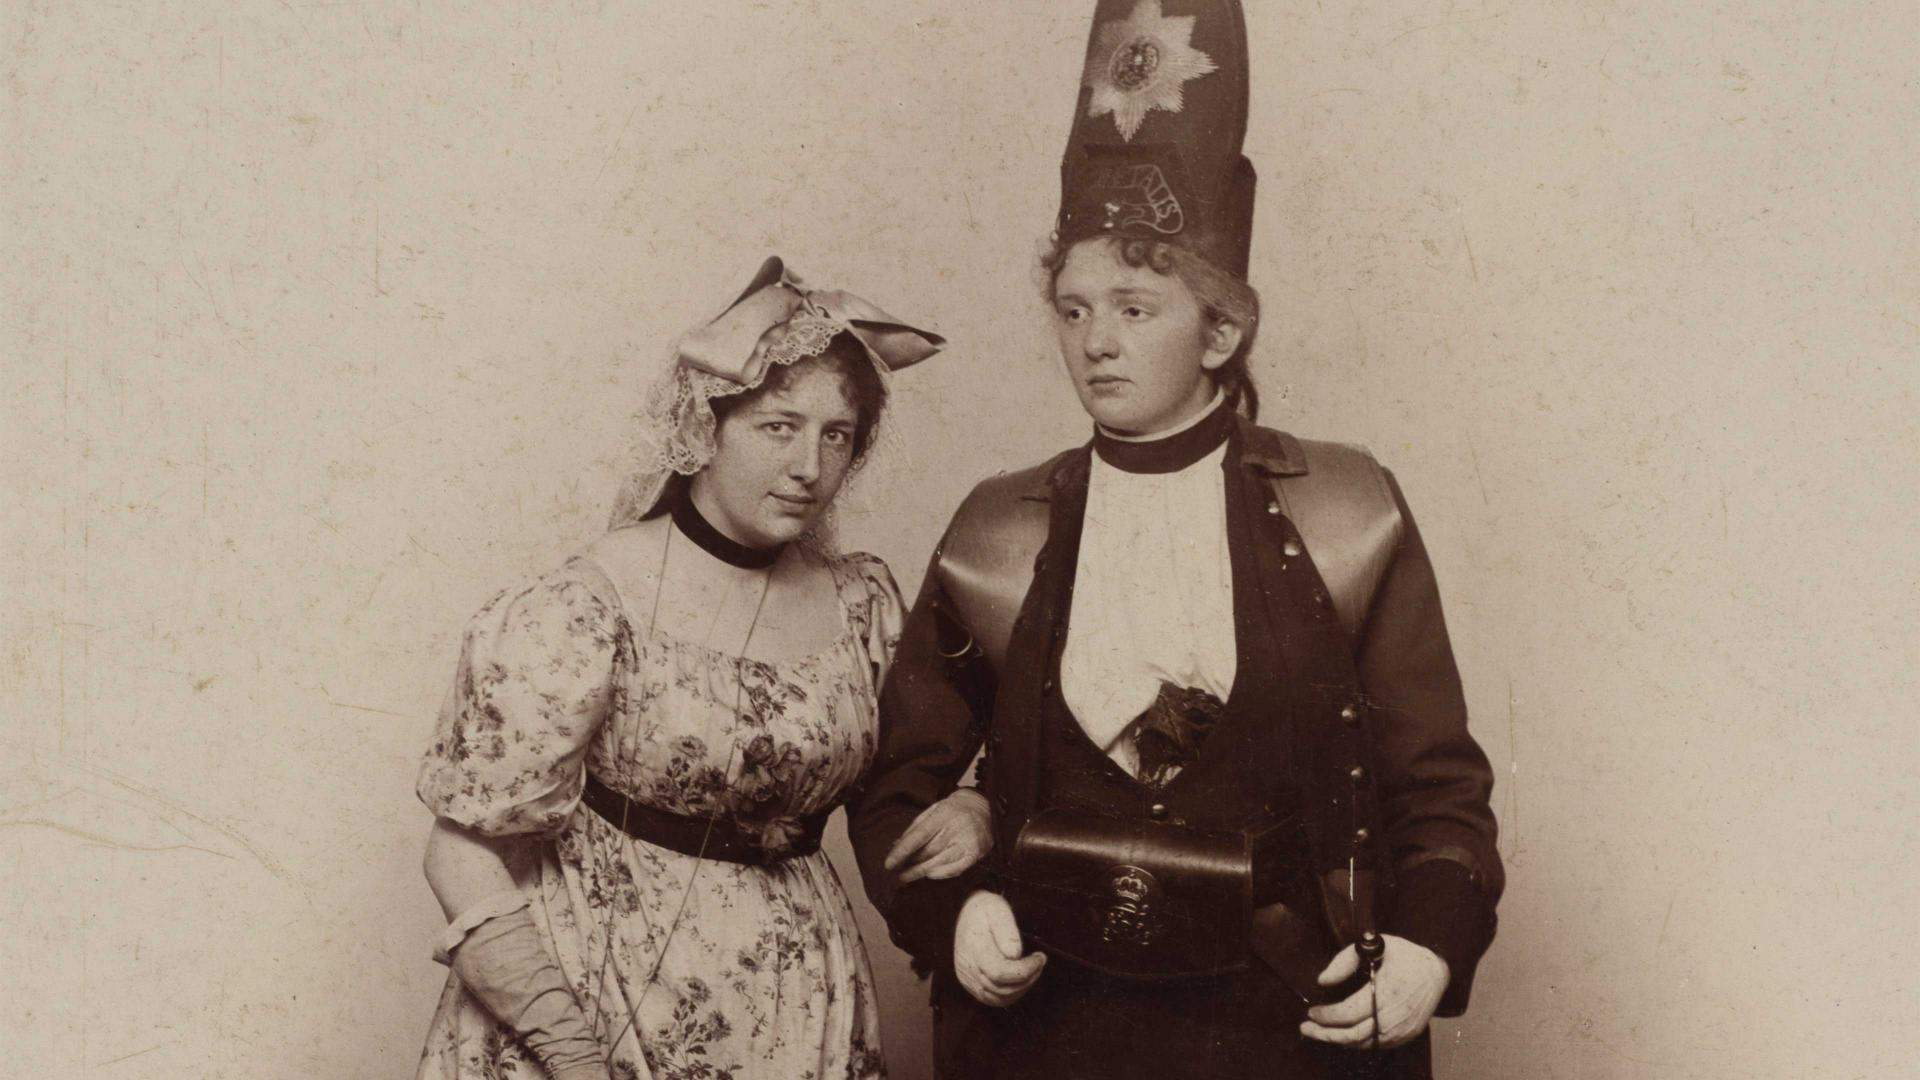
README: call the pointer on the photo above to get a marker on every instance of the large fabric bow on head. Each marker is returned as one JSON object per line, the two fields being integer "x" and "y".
{"x": 727, "y": 347}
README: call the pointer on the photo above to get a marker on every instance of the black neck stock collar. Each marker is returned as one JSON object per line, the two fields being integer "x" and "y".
{"x": 695, "y": 527}
{"x": 1169, "y": 454}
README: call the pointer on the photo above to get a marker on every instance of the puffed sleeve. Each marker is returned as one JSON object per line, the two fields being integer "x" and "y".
{"x": 534, "y": 683}
{"x": 883, "y": 610}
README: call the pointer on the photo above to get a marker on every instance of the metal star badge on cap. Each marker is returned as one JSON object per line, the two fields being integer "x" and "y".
{"x": 1140, "y": 63}
{"x": 1160, "y": 113}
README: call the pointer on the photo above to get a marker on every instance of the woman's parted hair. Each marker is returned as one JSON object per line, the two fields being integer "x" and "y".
{"x": 845, "y": 357}
{"x": 1222, "y": 298}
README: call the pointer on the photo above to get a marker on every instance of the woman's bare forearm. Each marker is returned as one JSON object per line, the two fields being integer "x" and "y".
{"x": 463, "y": 867}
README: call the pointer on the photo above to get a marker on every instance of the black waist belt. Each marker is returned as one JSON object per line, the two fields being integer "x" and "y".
{"x": 708, "y": 838}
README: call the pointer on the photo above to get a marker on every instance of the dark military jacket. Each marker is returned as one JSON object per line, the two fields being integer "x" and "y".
{"x": 1395, "y": 789}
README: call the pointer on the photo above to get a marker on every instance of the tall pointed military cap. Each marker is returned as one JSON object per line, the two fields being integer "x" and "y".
{"x": 1155, "y": 147}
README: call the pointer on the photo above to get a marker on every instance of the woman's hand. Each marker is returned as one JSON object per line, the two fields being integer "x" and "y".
{"x": 986, "y": 952}
{"x": 1409, "y": 984}
{"x": 946, "y": 839}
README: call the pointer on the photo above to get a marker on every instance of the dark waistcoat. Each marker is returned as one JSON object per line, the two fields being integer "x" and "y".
{"x": 1211, "y": 792}
{"x": 1308, "y": 733}
{"x": 1255, "y": 772}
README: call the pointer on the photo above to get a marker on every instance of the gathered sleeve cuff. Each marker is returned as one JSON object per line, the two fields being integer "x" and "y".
{"x": 535, "y": 682}
{"x": 1438, "y": 904}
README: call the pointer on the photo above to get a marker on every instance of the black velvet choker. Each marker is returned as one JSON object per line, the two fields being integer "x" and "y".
{"x": 1171, "y": 454}
{"x": 687, "y": 518}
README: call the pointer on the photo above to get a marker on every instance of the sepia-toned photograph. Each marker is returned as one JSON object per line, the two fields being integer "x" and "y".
{"x": 1027, "y": 539}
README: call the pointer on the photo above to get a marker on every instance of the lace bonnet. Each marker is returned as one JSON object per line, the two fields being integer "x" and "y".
{"x": 777, "y": 320}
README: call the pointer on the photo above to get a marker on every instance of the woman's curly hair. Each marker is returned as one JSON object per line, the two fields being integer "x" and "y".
{"x": 1222, "y": 298}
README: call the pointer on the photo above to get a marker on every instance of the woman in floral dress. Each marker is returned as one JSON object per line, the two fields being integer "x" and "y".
{"x": 631, "y": 772}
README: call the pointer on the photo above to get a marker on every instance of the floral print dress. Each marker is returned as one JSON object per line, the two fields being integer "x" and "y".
{"x": 689, "y": 969}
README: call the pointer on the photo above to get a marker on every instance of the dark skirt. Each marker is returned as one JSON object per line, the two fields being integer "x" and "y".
{"x": 1077, "y": 1023}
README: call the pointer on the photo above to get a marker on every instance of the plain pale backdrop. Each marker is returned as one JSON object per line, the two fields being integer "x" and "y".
{"x": 323, "y": 322}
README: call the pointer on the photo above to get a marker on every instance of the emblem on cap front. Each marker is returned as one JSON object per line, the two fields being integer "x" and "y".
{"x": 1141, "y": 63}
{"x": 1137, "y": 194}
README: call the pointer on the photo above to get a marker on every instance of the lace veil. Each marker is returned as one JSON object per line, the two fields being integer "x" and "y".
{"x": 776, "y": 321}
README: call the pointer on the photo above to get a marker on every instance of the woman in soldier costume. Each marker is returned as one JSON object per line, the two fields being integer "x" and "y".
{"x": 1241, "y": 828}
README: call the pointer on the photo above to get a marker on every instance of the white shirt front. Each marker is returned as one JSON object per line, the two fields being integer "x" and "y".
{"x": 1152, "y": 598}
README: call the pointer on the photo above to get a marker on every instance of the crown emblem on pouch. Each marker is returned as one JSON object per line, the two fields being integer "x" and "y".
{"x": 1140, "y": 63}
{"x": 1131, "y": 914}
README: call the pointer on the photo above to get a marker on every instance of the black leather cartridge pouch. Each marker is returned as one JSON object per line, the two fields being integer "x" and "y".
{"x": 1137, "y": 899}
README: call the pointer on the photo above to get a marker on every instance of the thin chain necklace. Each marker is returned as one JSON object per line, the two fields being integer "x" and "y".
{"x": 713, "y": 817}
